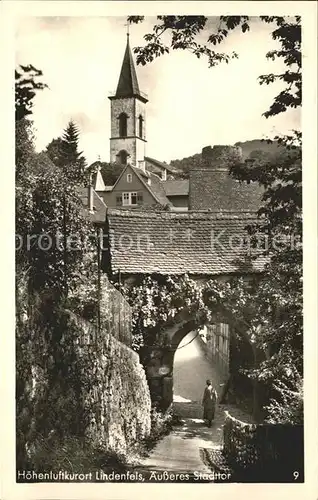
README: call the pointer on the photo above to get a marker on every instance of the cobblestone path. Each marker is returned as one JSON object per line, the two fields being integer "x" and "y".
{"x": 184, "y": 450}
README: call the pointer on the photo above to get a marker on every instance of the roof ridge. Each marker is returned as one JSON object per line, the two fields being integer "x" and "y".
{"x": 190, "y": 214}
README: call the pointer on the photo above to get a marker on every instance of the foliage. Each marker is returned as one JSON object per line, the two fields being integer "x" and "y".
{"x": 157, "y": 302}
{"x": 68, "y": 395}
{"x": 110, "y": 172}
{"x": 288, "y": 407}
{"x": 256, "y": 149}
{"x": 183, "y": 32}
{"x": 64, "y": 153}
{"x": 26, "y": 86}
{"x": 71, "y": 454}
{"x": 186, "y": 164}
{"x": 265, "y": 452}
{"x": 161, "y": 423}
{"x": 73, "y": 392}
{"x": 270, "y": 307}
{"x": 44, "y": 204}
{"x": 53, "y": 151}
{"x": 57, "y": 258}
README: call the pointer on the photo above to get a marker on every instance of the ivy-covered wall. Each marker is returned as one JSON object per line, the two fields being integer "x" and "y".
{"x": 264, "y": 452}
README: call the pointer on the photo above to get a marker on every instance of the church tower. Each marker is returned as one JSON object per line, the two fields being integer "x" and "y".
{"x": 128, "y": 117}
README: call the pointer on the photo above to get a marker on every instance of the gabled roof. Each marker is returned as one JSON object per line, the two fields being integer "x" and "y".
{"x": 155, "y": 187}
{"x": 176, "y": 187}
{"x": 161, "y": 165}
{"x": 99, "y": 207}
{"x": 197, "y": 243}
{"x": 128, "y": 83}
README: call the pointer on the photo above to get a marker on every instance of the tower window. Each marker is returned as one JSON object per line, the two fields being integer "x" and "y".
{"x": 123, "y": 125}
{"x": 123, "y": 157}
{"x": 140, "y": 125}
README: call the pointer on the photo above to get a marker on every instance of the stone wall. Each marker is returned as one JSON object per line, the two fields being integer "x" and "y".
{"x": 75, "y": 382}
{"x": 220, "y": 156}
{"x": 117, "y": 396}
{"x": 216, "y": 344}
{"x": 134, "y": 145}
{"x": 265, "y": 452}
{"x": 212, "y": 188}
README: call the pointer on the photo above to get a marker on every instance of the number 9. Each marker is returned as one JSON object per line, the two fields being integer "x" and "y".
{"x": 296, "y": 474}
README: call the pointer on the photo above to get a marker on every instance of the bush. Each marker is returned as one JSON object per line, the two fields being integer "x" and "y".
{"x": 72, "y": 454}
{"x": 161, "y": 423}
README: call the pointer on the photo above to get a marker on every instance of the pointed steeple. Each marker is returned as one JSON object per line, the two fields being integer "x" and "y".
{"x": 128, "y": 82}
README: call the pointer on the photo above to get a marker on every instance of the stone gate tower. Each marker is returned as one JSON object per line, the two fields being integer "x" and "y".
{"x": 128, "y": 116}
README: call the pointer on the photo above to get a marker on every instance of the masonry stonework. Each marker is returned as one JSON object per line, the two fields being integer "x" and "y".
{"x": 134, "y": 145}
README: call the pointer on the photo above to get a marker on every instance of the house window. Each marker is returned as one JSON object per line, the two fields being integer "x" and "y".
{"x": 126, "y": 199}
{"x": 123, "y": 125}
{"x": 129, "y": 198}
{"x": 129, "y": 178}
{"x": 139, "y": 198}
{"x": 123, "y": 157}
{"x": 140, "y": 125}
{"x": 119, "y": 201}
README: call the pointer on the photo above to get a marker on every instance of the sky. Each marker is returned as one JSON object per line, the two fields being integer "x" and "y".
{"x": 190, "y": 105}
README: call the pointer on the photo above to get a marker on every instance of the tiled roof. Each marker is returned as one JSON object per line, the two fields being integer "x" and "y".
{"x": 176, "y": 187}
{"x": 161, "y": 164}
{"x": 99, "y": 213}
{"x": 155, "y": 186}
{"x": 215, "y": 189}
{"x": 198, "y": 243}
{"x": 140, "y": 172}
{"x": 157, "y": 190}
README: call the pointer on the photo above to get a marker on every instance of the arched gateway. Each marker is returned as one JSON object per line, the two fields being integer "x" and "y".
{"x": 203, "y": 245}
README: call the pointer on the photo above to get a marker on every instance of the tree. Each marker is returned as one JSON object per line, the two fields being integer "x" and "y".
{"x": 53, "y": 151}
{"x": 26, "y": 86}
{"x": 63, "y": 151}
{"x": 110, "y": 171}
{"x": 271, "y": 306}
{"x": 182, "y": 32}
{"x": 50, "y": 270}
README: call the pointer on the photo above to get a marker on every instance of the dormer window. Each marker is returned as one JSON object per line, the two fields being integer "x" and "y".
{"x": 164, "y": 175}
{"x": 123, "y": 125}
{"x": 140, "y": 125}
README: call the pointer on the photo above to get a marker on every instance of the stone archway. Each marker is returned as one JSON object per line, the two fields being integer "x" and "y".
{"x": 191, "y": 369}
{"x": 159, "y": 360}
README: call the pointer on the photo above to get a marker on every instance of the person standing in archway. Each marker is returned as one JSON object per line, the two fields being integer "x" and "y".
{"x": 209, "y": 402}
